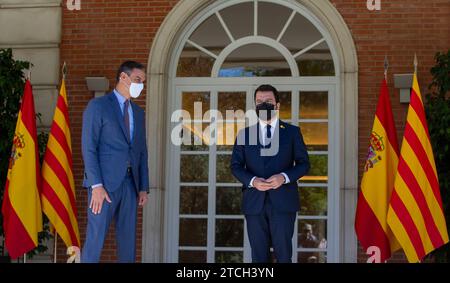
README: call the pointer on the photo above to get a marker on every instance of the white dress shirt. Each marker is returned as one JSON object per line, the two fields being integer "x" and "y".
{"x": 263, "y": 131}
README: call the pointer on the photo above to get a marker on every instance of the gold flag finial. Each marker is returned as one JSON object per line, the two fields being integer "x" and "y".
{"x": 416, "y": 63}
{"x": 64, "y": 70}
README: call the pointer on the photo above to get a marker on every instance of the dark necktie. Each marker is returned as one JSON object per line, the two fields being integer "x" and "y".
{"x": 126, "y": 117}
{"x": 269, "y": 134}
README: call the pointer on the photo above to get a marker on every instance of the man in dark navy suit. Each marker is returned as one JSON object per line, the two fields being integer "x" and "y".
{"x": 268, "y": 158}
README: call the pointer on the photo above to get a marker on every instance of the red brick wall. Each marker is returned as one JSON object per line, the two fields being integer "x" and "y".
{"x": 95, "y": 41}
{"x": 103, "y": 33}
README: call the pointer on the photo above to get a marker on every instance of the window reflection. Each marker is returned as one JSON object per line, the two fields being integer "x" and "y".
{"x": 229, "y": 232}
{"x": 313, "y": 105}
{"x": 313, "y": 201}
{"x": 312, "y": 234}
{"x": 194, "y": 200}
{"x": 318, "y": 171}
{"x": 229, "y": 257}
{"x": 228, "y": 200}
{"x": 312, "y": 257}
{"x": 315, "y": 136}
{"x": 255, "y": 60}
{"x": 193, "y": 232}
{"x": 192, "y": 257}
{"x": 194, "y": 168}
{"x": 223, "y": 172}
{"x": 194, "y": 63}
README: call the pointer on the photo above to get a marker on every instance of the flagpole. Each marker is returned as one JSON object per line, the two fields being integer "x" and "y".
{"x": 54, "y": 248}
{"x": 416, "y": 63}
{"x": 386, "y": 67}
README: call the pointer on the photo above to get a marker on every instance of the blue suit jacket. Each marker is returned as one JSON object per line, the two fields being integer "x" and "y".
{"x": 291, "y": 158}
{"x": 106, "y": 148}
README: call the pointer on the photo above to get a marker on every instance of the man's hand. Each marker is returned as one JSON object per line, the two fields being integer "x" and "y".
{"x": 143, "y": 198}
{"x": 276, "y": 181}
{"x": 99, "y": 195}
{"x": 261, "y": 184}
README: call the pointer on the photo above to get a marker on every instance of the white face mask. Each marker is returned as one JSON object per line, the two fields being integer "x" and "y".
{"x": 136, "y": 89}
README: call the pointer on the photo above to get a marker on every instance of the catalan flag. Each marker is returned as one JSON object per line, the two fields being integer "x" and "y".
{"x": 21, "y": 209}
{"x": 58, "y": 189}
{"x": 378, "y": 181}
{"x": 415, "y": 212}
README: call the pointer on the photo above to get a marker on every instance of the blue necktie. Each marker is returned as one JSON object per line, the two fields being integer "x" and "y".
{"x": 268, "y": 134}
{"x": 126, "y": 117}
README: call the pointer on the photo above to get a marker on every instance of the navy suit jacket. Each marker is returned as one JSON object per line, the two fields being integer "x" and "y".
{"x": 248, "y": 162}
{"x": 107, "y": 149}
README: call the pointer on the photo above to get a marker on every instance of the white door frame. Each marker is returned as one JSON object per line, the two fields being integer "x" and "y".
{"x": 159, "y": 75}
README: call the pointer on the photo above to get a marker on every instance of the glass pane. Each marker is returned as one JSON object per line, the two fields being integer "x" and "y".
{"x": 312, "y": 257}
{"x": 286, "y": 105}
{"x": 312, "y": 234}
{"x": 194, "y": 168}
{"x": 231, "y": 101}
{"x": 227, "y": 133}
{"x": 255, "y": 60}
{"x": 318, "y": 172}
{"x": 313, "y": 105}
{"x": 194, "y": 63}
{"x": 193, "y": 232}
{"x": 300, "y": 34}
{"x": 229, "y": 257}
{"x": 313, "y": 201}
{"x": 193, "y": 200}
{"x": 315, "y": 136}
{"x": 196, "y": 104}
{"x": 278, "y": 16}
{"x": 211, "y": 35}
{"x": 239, "y": 19}
{"x": 195, "y": 137}
{"x": 228, "y": 200}
{"x": 229, "y": 232}
{"x": 223, "y": 171}
{"x": 192, "y": 257}
{"x": 316, "y": 62}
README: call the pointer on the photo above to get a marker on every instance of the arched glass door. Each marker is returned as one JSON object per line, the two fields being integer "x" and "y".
{"x": 224, "y": 55}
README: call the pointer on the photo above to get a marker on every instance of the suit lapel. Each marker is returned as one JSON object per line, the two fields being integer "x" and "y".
{"x": 118, "y": 114}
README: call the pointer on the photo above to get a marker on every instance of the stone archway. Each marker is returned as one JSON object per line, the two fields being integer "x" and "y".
{"x": 160, "y": 60}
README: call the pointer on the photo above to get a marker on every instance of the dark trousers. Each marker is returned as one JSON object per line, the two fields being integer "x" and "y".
{"x": 271, "y": 228}
{"x": 123, "y": 209}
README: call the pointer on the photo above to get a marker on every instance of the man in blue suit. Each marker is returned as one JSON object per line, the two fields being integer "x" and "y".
{"x": 115, "y": 160}
{"x": 268, "y": 158}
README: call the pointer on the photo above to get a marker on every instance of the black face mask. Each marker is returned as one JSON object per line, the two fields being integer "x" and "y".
{"x": 265, "y": 111}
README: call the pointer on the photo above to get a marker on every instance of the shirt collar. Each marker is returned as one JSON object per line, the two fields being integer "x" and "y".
{"x": 119, "y": 97}
{"x": 273, "y": 124}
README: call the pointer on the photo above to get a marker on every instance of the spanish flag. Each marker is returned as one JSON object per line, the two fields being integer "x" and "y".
{"x": 378, "y": 181}
{"x": 415, "y": 212}
{"x": 22, "y": 215}
{"x": 58, "y": 188}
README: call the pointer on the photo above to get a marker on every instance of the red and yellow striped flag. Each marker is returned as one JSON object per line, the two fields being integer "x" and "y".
{"x": 415, "y": 212}
{"x": 378, "y": 181}
{"x": 58, "y": 188}
{"x": 22, "y": 214}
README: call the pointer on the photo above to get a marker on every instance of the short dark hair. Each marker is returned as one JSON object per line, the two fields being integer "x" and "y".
{"x": 127, "y": 67}
{"x": 268, "y": 88}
